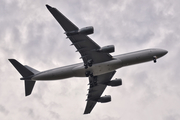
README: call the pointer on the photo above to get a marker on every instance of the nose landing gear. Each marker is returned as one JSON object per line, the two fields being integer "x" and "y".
{"x": 155, "y": 59}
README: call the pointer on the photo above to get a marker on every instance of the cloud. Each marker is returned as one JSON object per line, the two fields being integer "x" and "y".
{"x": 3, "y": 110}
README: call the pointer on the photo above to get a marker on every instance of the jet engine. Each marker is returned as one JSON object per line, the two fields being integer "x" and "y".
{"x": 107, "y": 49}
{"x": 85, "y": 31}
{"x": 114, "y": 83}
{"x": 104, "y": 99}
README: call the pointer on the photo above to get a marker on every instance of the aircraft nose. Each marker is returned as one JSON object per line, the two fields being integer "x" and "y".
{"x": 161, "y": 52}
{"x": 164, "y": 52}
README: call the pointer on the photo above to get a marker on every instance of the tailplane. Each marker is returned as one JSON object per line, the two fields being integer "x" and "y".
{"x": 27, "y": 73}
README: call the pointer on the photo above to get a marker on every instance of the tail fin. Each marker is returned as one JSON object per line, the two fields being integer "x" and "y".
{"x": 27, "y": 72}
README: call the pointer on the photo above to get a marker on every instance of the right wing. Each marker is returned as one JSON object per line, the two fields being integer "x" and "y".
{"x": 97, "y": 87}
{"x": 84, "y": 45}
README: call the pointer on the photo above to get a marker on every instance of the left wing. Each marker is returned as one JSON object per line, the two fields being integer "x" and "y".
{"x": 84, "y": 45}
{"x": 97, "y": 87}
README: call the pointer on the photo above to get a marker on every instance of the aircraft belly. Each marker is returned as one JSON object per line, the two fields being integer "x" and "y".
{"x": 54, "y": 74}
{"x": 106, "y": 67}
{"x": 98, "y": 69}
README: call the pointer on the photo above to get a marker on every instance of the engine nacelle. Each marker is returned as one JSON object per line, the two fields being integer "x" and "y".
{"x": 104, "y": 99}
{"x": 107, "y": 49}
{"x": 115, "y": 82}
{"x": 85, "y": 31}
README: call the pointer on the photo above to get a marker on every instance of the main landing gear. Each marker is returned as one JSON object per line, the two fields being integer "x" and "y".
{"x": 88, "y": 73}
{"x": 89, "y": 63}
{"x": 92, "y": 79}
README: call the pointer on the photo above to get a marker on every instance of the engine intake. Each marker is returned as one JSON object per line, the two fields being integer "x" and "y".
{"x": 107, "y": 49}
{"x": 104, "y": 99}
{"x": 114, "y": 83}
{"x": 85, "y": 31}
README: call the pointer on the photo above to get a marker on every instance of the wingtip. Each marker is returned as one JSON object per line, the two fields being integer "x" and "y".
{"x": 48, "y": 6}
{"x": 10, "y": 60}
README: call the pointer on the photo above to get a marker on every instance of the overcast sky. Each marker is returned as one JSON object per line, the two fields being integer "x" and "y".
{"x": 30, "y": 34}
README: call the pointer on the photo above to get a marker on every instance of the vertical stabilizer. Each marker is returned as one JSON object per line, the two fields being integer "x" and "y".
{"x": 27, "y": 72}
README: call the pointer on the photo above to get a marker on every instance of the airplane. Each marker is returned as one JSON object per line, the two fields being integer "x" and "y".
{"x": 98, "y": 65}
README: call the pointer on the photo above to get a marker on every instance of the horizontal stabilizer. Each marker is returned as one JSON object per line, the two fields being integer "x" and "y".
{"x": 31, "y": 69}
{"x": 20, "y": 68}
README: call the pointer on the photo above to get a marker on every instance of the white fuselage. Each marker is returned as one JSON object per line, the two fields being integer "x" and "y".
{"x": 78, "y": 70}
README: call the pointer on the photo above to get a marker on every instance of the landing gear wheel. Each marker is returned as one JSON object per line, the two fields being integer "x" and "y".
{"x": 90, "y": 62}
{"x": 87, "y": 73}
{"x": 154, "y": 59}
{"x": 85, "y": 66}
{"x": 90, "y": 65}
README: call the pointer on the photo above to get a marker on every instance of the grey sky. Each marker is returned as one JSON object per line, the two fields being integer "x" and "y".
{"x": 30, "y": 34}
